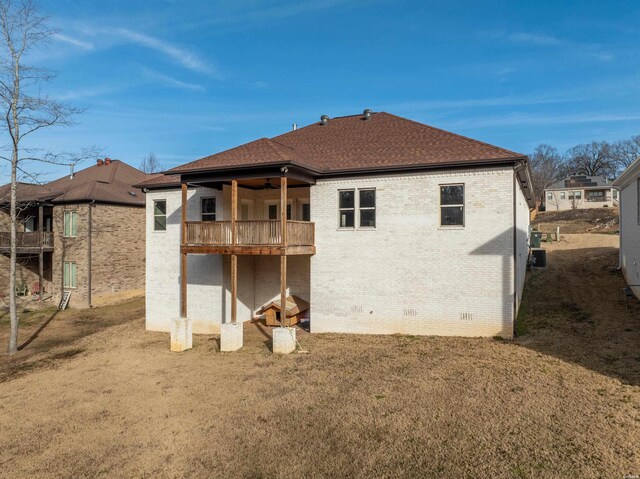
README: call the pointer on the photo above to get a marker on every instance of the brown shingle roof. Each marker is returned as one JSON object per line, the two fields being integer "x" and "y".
{"x": 27, "y": 192}
{"x": 106, "y": 183}
{"x": 160, "y": 180}
{"x": 352, "y": 143}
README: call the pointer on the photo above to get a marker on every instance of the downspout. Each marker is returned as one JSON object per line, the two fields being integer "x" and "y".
{"x": 518, "y": 167}
{"x": 90, "y": 230}
{"x": 515, "y": 257}
{"x": 620, "y": 229}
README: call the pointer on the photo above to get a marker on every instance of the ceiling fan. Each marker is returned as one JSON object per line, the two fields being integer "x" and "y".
{"x": 268, "y": 185}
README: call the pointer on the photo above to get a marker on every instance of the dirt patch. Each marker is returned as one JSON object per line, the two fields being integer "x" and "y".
{"x": 593, "y": 220}
{"x": 560, "y": 401}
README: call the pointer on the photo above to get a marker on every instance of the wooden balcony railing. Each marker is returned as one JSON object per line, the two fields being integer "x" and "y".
{"x": 249, "y": 233}
{"x": 28, "y": 240}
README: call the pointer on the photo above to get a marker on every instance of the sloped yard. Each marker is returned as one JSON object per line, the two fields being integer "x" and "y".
{"x": 563, "y": 400}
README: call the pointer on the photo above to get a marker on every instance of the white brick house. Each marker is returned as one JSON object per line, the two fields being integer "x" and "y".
{"x": 392, "y": 227}
{"x": 628, "y": 184}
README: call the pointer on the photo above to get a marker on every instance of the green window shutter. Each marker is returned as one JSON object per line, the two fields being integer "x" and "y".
{"x": 74, "y": 224}
{"x": 66, "y": 275}
{"x": 73, "y": 275}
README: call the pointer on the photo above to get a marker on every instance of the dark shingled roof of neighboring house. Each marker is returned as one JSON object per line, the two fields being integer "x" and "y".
{"x": 104, "y": 183}
{"x": 580, "y": 181}
{"x": 352, "y": 143}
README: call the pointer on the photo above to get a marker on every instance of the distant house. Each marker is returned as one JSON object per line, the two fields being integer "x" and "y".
{"x": 82, "y": 233}
{"x": 384, "y": 225}
{"x": 628, "y": 184}
{"x": 580, "y": 191}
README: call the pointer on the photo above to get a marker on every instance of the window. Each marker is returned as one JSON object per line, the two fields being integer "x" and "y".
{"x": 160, "y": 215}
{"x": 306, "y": 212}
{"x": 69, "y": 274}
{"x": 549, "y": 196}
{"x": 562, "y": 195}
{"x": 452, "y": 205}
{"x": 595, "y": 196}
{"x": 208, "y": 209}
{"x": 70, "y": 224}
{"x": 367, "y": 208}
{"x": 244, "y": 211}
{"x": 273, "y": 211}
{"x": 289, "y": 211}
{"x": 346, "y": 206}
{"x": 578, "y": 195}
{"x": 615, "y": 194}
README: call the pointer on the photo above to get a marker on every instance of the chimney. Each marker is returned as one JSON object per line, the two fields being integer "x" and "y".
{"x": 324, "y": 119}
{"x": 366, "y": 115}
{"x": 100, "y": 162}
{"x": 295, "y": 126}
{"x": 107, "y": 161}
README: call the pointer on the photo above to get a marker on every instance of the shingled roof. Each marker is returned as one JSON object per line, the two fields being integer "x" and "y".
{"x": 109, "y": 182}
{"x": 352, "y": 143}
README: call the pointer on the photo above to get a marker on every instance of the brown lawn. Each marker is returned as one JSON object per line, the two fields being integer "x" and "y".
{"x": 563, "y": 400}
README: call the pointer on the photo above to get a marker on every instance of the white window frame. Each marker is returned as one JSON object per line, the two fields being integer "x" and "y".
{"x": 549, "y": 196}
{"x": 72, "y": 282}
{"x": 70, "y": 218}
{"x": 215, "y": 208}
{"x": 563, "y": 195}
{"x": 464, "y": 206}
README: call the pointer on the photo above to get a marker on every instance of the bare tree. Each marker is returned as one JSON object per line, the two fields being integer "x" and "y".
{"x": 547, "y": 166}
{"x": 625, "y": 152}
{"x": 25, "y": 110}
{"x": 592, "y": 159}
{"x": 150, "y": 164}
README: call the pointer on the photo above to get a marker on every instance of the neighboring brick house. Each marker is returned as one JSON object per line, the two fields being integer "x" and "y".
{"x": 628, "y": 184}
{"x": 392, "y": 226}
{"x": 580, "y": 192}
{"x": 86, "y": 229}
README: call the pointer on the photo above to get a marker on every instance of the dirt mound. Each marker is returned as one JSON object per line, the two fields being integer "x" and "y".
{"x": 593, "y": 220}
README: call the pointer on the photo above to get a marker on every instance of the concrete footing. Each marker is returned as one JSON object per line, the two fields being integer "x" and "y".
{"x": 230, "y": 337}
{"x": 284, "y": 340}
{"x": 181, "y": 335}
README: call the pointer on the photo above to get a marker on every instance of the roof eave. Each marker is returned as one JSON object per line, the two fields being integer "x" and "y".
{"x": 628, "y": 176}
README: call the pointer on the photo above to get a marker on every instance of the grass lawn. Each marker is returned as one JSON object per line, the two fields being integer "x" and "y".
{"x": 562, "y": 400}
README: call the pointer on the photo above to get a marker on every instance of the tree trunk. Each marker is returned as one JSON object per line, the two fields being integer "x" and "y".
{"x": 15, "y": 136}
{"x": 13, "y": 304}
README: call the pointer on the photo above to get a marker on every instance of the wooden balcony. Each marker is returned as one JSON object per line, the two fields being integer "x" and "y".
{"x": 27, "y": 243}
{"x": 252, "y": 237}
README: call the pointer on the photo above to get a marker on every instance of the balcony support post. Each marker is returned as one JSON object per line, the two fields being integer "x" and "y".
{"x": 234, "y": 258}
{"x": 183, "y": 256}
{"x": 283, "y": 257}
{"x": 41, "y": 252}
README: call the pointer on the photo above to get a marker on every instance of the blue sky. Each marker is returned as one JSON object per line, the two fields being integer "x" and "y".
{"x": 185, "y": 79}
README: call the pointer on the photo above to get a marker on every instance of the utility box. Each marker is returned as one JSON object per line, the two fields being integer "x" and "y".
{"x": 538, "y": 257}
{"x": 536, "y": 239}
